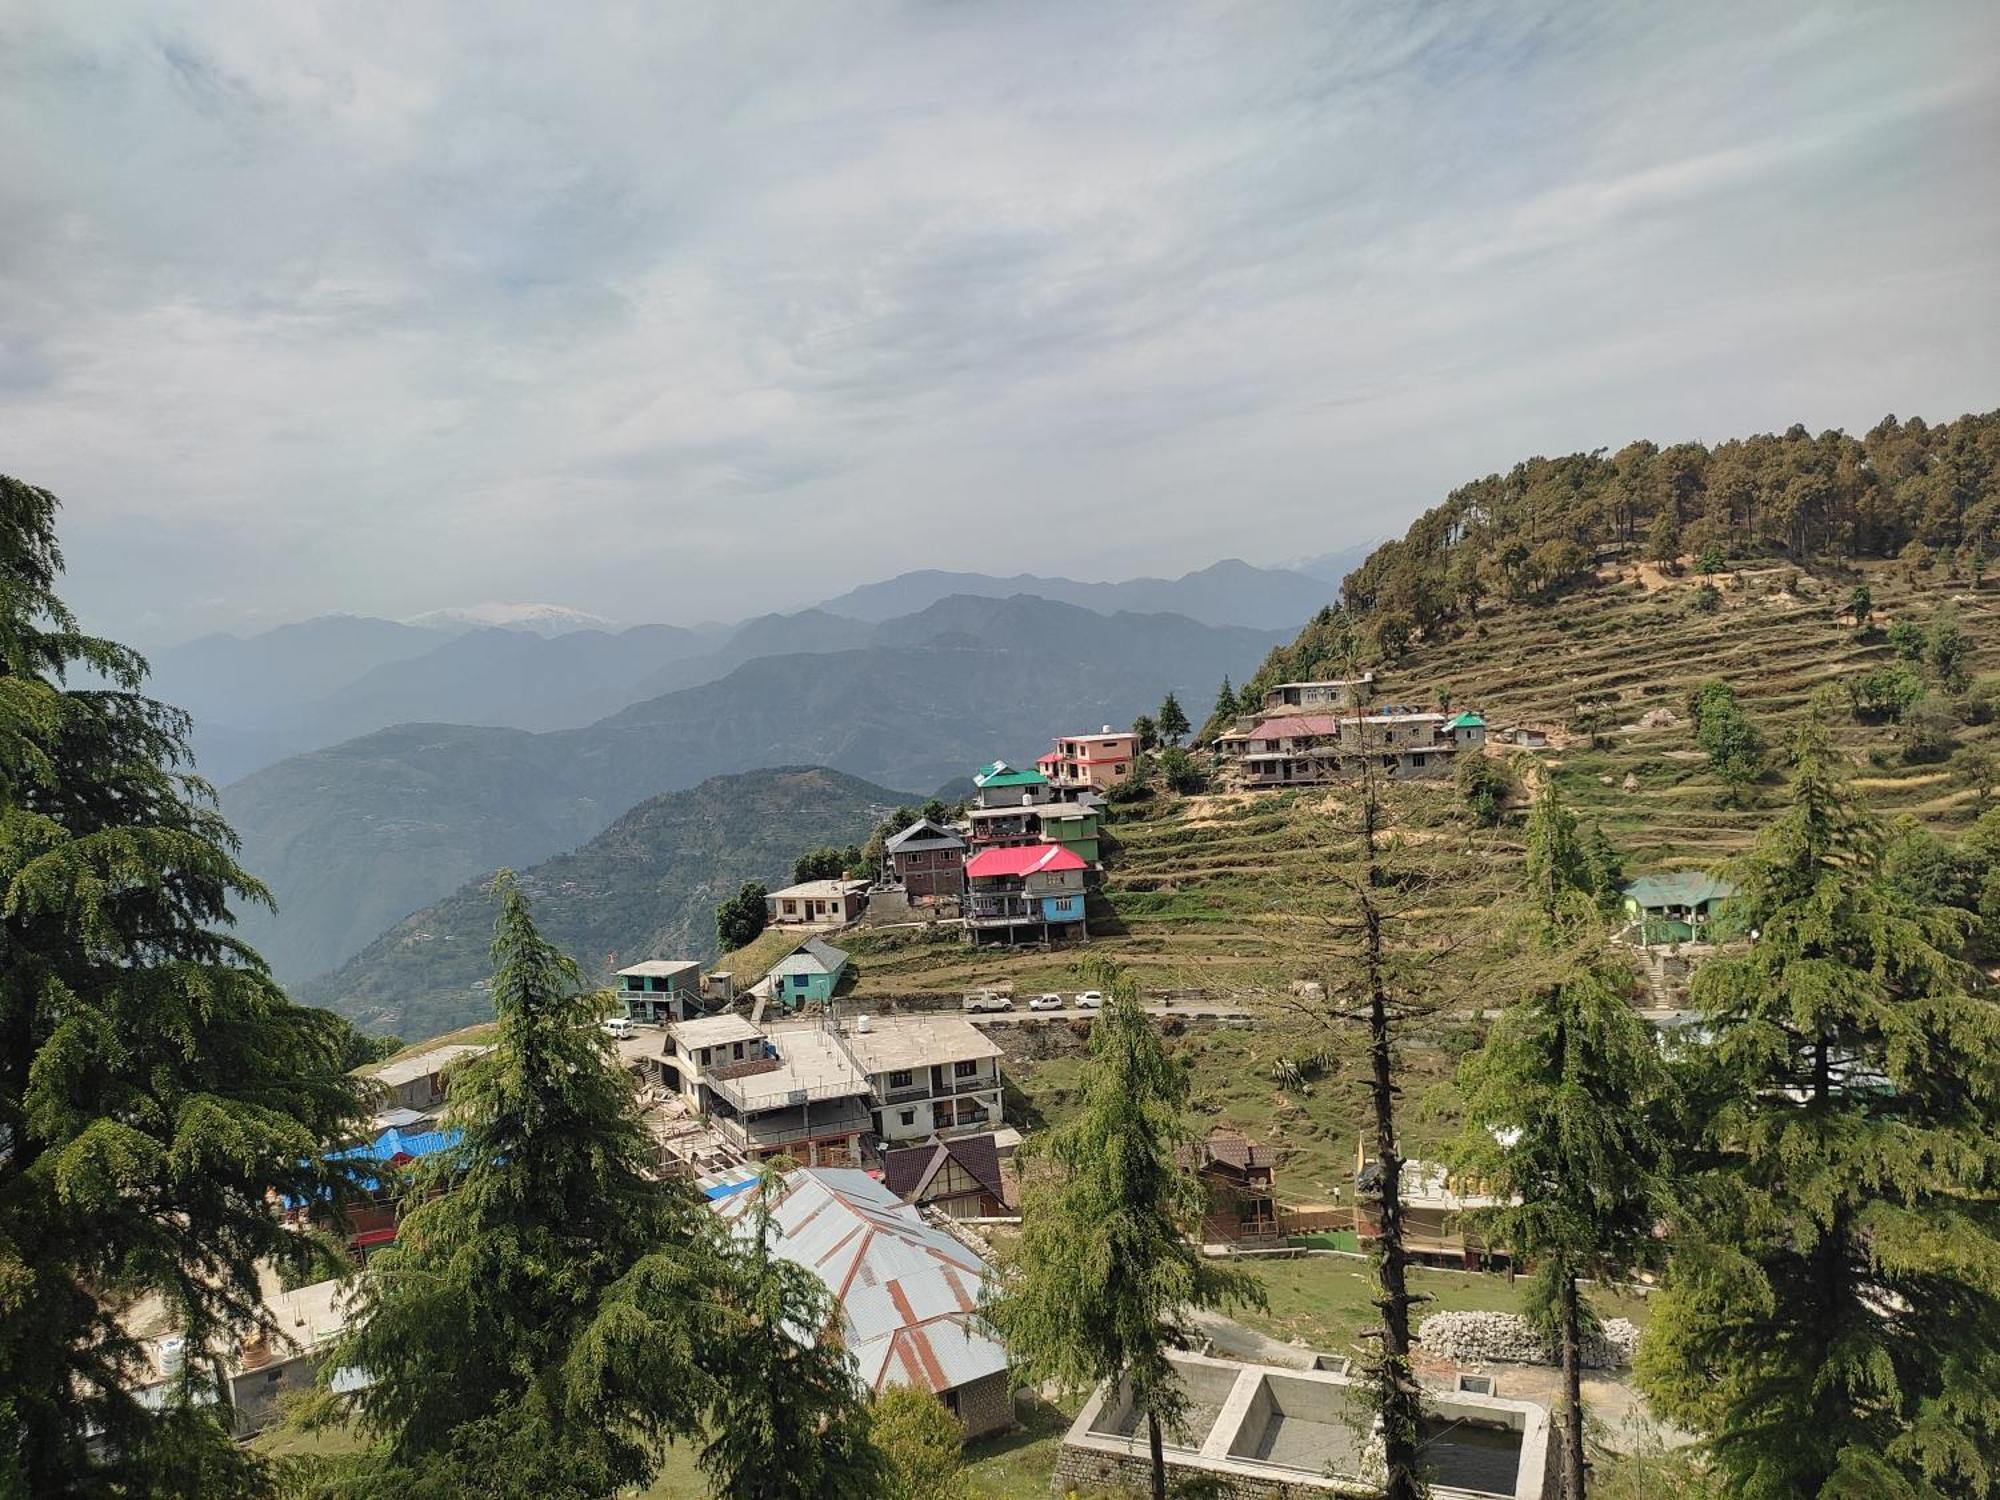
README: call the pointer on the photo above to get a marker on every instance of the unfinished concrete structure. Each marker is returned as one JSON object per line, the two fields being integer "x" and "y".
{"x": 1261, "y": 1432}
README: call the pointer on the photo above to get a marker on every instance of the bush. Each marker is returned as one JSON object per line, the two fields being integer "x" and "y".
{"x": 1885, "y": 694}
{"x": 1906, "y": 639}
{"x": 1482, "y": 786}
{"x": 1704, "y": 599}
{"x": 1179, "y": 771}
{"x": 1928, "y": 726}
{"x": 1711, "y": 560}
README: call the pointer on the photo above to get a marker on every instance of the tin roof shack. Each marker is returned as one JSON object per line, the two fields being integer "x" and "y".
{"x": 810, "y": 972}
{"x": 661, "y": 989}
{"x": 928, "y": 861}
{"x": 826, "y": 903}
{"x": 960, "y": 1178}
{"x": 1263, "y": 1432}
{"x": 931, "y": 1075}
{"x": 416, "y": 1081}
{"x": 1031, "y": 894}
{"x": 1434, "y": 1227}
{"x": 264, "y": 1366}
{"x": 908, "y": 1293}
{"x": 1681, "y": 906}
{"x": 1242, "y": 1193}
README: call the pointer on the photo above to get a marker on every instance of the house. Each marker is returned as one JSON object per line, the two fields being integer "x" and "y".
{"x": 1466, "y": 729}
{"x": 1000, "y": 785}
{"x": 1090, "y": 762}
{"x": 1242, "y": 1192}
{"x": 958, "y": 1178}
{"x": 927, "y": 861}
{"x": 1329, "y": 695}
{"x": 1678, "y": 907}
{"x": 1305, "y": 749}
{"x": 372, "y": 1222}
{"x": 416, "y": 1081}
{"x": 1528, "y": 736}
{"x": 260, "y": 1368}
{"x": 931, "y": 1075}
{"x": 1033, "y": 893}
{"x": 810, "y": 972}
{"x": 1006, "y": 826}
{"x": 661, "y": 989}
{"x": 1074, "y": 825}
{"x": 908, "y": 1293}
{"x": 796, "y": 1092}
{"x": 1271, "y": 1432}
{"x": 830, "y": 903}
{"x": 1434, "y": 1206}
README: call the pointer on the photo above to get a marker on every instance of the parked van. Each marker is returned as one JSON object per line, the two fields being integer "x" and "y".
{"x": 618, "y": 1028}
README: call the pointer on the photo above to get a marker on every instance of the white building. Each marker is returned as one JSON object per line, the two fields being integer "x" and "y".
{"x": 931, "y": 1075}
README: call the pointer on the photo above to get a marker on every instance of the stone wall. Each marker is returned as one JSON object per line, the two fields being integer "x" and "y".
{"x": 986, "y": 1405}
{"x": 1083, "y": 1472}
{"x": 1474, "y": 1338}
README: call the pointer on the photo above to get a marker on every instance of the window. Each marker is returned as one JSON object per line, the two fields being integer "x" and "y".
{"x": 900, "y": 1079}
{"x": 907, "y": 1117}
{"x": 964, "y": 1069}
{"x": 739, "y": 1051}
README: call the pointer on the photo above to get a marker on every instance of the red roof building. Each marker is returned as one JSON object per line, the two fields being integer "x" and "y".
{"x": 1027, "y": 859}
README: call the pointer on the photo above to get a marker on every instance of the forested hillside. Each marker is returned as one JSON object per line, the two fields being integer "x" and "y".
{"x": 646, "y": 887}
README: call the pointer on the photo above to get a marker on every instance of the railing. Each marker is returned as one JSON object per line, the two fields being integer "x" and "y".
{"x": 977, "y": 1085}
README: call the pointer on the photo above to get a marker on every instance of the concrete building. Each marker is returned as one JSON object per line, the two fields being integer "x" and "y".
{"x": 1681, "y": 906}
{"x": 1310, "y": 749}
{"x": 1000, "y": 785}
{"x": 826, "y": 903}
{"x": 909, "y": 1294}
{"x": 1091, "y": 762}
{"x": 1327, "y": 695}
{"x": 927, "y": 861}
{"x": 661, "y": 989}
{"x": 416, "y": 1081}
{"x": 1074, "y": 825}
{"x": 1031, "y": 893}
{"x": 1435, "y": 1204}
{"x": 810, "y": 972}
{"x": 1264, "y": 1432}
{"x": 803, "y": 1096}
{"x": 931, "y": 1075}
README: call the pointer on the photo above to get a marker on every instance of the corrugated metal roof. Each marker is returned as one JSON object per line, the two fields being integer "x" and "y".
{"x": 908, "y": 1293}
{"x": 1027, "y": 859}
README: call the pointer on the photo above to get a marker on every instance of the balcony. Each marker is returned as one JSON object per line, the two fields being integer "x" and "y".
{"x": 978, "y": 1084}
{"x": 782, "y": 1127}
{"x": 1002, "y": 909}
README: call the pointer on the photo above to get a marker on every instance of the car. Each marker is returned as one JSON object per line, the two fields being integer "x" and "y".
{"x": 1046, "y": 1002}
{"x": 985, "y": 1000}
{"x": 1090, "y": 999}
{"x": 619, "y": 1027}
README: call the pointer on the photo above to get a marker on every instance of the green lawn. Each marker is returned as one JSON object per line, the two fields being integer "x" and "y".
{"x": 1327, "y": 1300}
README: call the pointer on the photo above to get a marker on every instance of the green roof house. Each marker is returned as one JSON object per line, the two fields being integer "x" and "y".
{"x": 811, "y": 971}
{"x": 1466, "y": 728}
{"x": 1676, "y": 907}
{"x": 1000, "y": 785}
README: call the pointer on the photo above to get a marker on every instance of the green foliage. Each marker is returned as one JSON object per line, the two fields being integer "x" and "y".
{"x": 1663, "y": 538}
{"x": 1906, "y": 639}
{"x": 921, "y": 1446}
{"x": 1179, "y": 772}
{"x": 1734, "y": 747}
{"x": 548, "y": 1303}
{"x": 1977, "y": 767}
{"x": 1947, "y": 648}
{"x": 1928, "y": 727}
{"x": 1173, "y": 722}
{"x": 1711, "y": 559}
{"x": 740, "y": 919}
{"x": 1704, "y": 599}
{"x": 1483, "y": 786}
{"x": 1861, "y": 604}
{"x": 1107, "y": 1268}
{"x": 156, "y": 1088}
{"x": 1886, "y": 693}
{"x": 1223, "y": 716}
{"x": 1146, "y": 732}
{"x": 1832, "y": 1317}
{"x": 824, "y": 863}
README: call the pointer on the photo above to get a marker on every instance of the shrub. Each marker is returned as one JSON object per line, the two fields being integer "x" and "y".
{"x": 1928, "y": 726}
{"x": 1886, "y": 693}
{"x": 1710, "y": 560}
{"x": 1906, "y": 639}
{"x": 1483, "y": 787}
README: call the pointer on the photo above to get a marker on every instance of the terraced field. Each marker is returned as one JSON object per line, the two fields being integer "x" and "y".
{"x": 1228, "y": 893}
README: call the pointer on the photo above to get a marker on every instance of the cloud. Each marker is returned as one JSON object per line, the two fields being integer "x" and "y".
{"x": 369, "y": 307}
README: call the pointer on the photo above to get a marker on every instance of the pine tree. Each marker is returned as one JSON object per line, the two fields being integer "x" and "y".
{"x": 549, "y": 1307}
{"x": 1173, "y": 722}
{"x": 156, "y": 1087}
{"x": 1833, "y": 1314}
{"x": 1560, "y": 1109}
{"x": 1107, "y": 1268}
{"x": 791, "y": 1421}
{"x": 1146, "y": 733}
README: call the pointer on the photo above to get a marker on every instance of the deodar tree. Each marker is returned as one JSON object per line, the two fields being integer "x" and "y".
{"x": 1832, "y": 1317}
{"x": 157, "y": 1090}
{"x": 1107, "y": 1269}
{"x": 1562, "y": 1109}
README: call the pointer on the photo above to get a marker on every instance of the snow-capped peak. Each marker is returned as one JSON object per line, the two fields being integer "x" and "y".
{"x": 539, "y": 619}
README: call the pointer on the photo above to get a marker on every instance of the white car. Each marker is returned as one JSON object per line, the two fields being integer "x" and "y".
{"x": 1090, "y": 999}
{"x": 618, "y": 1028}
{"x": 1046, "y": 1002}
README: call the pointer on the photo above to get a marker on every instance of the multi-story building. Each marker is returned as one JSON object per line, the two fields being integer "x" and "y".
{"x": 796, "y": 1092}
{"x": 1031, "y": 893}
{"x": 661, "y": 989}
{"x": 1306, "y": 749}
{"x": 931, "y": 1075}
{"x": 811, "y": 971}
{"x": 1000, "y": 785}
{"x": 927, "y": 861}
{"x": 1329, "y": 695}
{"x": 1074, "y": 825}
{"x": 1090, "y": 762}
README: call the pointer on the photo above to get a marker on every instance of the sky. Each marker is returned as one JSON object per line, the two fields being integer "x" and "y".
{"x": 689, "y": 311}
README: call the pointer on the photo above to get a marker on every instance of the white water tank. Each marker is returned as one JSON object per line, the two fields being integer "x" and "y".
{"x": 173, "y": 1354}
{"x": 861, "y": 1025}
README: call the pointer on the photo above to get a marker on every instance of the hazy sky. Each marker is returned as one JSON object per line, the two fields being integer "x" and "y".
{"x": 672, "y": 310}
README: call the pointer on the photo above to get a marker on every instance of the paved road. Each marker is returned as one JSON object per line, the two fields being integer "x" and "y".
{"x": 1020, "y": 1012}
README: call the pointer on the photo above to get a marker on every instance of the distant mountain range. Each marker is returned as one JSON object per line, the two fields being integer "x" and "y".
{"x": 540, "y": 667}
{"x": 1227, "y": 593}
{"x": 354, "y": 837}
{"x": 646, "y": 887}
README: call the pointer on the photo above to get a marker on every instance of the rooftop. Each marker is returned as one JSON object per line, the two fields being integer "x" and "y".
{"x": 714, "y": 1031}
{"x": 660, "y": 968}
{"x": 1466, "y": 720}
{"x": 402, "y": 1070}
{"x": 1678, "y": 888}
{"x": 810, "y": 1065}
{"x": 924, "y": 834}
{"x": 909, "y": 1172}
{"x": 910, "y": 1042}
{"x": 819, "y": 890}
{"x": 999, "y": 773}
{"x": 1029, "y": 859}
{"x": 812, "y": 957}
